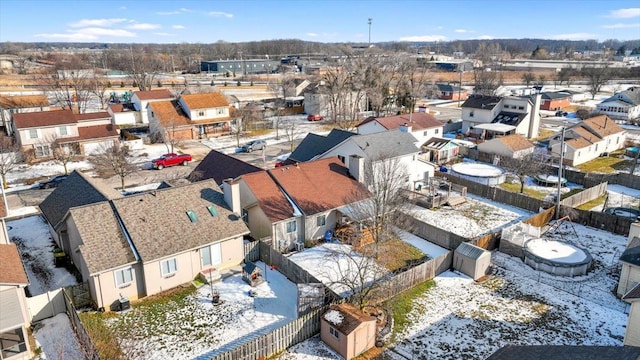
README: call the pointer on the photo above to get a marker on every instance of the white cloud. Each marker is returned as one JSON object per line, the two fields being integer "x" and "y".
{"x": 185, "y": 10}
{"x": 174, "y": 12}
{"x": 122, "y": 8}
{"x": 97, "y": 22}
{"x": 424, "y": 38}
{"x": 69, "y": 36}
{"x": 621, "y": 26}
{"x": 624, "y": 13}
{"x": 574, "y": 36}
{"x": 163, "y": 34}
{"x": 463, "y": 31}
{"x": 219, "y": 14}
{"x": 178, "y": 27}
{"x": 143, "y": 26}
{"x": 106, "y": 32}
{"x": 312, "y": 34}
{"x": 485, "y": 37}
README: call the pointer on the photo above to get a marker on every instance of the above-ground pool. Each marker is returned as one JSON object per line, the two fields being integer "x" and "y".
{"x": 480, "y": 173}
{"x": 548, "y": 180}
{"x": 556, "y": 257}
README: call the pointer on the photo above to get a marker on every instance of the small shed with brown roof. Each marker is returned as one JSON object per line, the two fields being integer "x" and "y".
{"x": 513, "y": 146}
{"x": 347, "y": 330}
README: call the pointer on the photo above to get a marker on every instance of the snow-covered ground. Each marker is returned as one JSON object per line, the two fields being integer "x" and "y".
{"x": 35, "y": 244}
{"x": 196, "y": 329}
{"x": 477, "y": 216}
{"x": 620, "y": 196}
{"x": 428, "y": 248}
{"x": 56, "y": 339}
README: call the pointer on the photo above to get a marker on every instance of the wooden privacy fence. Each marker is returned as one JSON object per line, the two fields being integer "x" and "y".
{"x": 84, "y": 340}
{"x": 585, "y": 195}
{"x": 598, "y": 220}
{"x": 541, "y": 219}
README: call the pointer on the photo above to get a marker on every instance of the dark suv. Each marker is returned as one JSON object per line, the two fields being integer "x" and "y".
{"x": 629, "y": 213}
{"x": 254, "y": 145}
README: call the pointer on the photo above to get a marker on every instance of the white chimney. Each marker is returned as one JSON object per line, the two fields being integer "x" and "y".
{"x": 231, "y": 190}
{"x": 356, "y": 168}
{"x": 534, "y": 117}
{"x": 405, "y": 128}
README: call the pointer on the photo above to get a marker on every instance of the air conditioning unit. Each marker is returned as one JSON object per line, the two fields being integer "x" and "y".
{"x": 299, "y": 246}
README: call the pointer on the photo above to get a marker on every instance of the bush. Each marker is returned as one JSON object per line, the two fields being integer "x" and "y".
{"x": 135, "y": 84}
{"x": 251, "y": 83}
{"x": 225, "y": 83}
{"x": 159, "y": 83}
{"x": 238, "y": 83}
{"x": 121, "y": 84}
{"x": 108, "y": 83}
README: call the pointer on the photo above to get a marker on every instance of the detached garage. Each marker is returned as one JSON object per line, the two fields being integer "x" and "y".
{"x": 471, "y": 260}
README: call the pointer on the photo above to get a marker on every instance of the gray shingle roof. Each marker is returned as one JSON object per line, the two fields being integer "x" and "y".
{"x": 313, "y": 144}
{"x": 104, "y": 244}
{"x": 470, "y": 251}
{"x": 633, "y": 294}
{"x": 386, "y": 143}
{"x": 158, "y": 224}
{"x": 219, "y": 167}
{"x": 631, "y": 256}
{"x": 481, "y": 102}
{"x": 551, "y": 95}
{"x": 77, "y": 190}
{"x": 565, "y": 352}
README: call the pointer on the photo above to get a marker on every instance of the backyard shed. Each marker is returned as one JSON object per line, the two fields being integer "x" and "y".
{"x": 252, "y": 274}
{"x": 471, "y": 260}
{"x": 347, "y": 330}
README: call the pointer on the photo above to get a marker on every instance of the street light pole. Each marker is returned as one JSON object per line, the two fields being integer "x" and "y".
{"x": 369, "y": 22}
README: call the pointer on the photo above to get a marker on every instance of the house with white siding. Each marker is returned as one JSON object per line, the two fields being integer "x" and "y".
{"x": 486, "y": 117}
{"x": 513, "y": 146}
{"x": 422, "y": 125}
{"x": 624, "y": 105}
{"x": 140, "y": 100}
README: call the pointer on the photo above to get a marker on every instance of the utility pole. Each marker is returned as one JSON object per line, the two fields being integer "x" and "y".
{"x": 369, "y": 22}
{"x": 560, "y": 174}
{"x": 459, "y": 85}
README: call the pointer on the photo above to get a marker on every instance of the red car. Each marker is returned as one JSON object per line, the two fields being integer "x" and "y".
{"x": 170, "y": 160}
{"x": 315, "y": 117}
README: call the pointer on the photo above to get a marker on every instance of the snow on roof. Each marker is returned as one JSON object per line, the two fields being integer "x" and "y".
{"x": 334, "y": 317}
{"x": 495, "y": 127}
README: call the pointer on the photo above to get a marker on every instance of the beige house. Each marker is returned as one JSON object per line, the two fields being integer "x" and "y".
{"x": 289, "y": 205}
{"x": 347, "y": 330}
{"x": 632, "y": 333}
{"x": 513, "y": 146}
{"x": 630, "y": 260}
{"x": 144, "y": 243}
{"x": 81, "y": 134}
{"x": 589, "y": 139}
{"x": 14, "y": 319}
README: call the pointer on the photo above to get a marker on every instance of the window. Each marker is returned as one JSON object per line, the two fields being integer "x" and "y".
{"x": 168, "y": 267}
{"x": 212, "y": 210}
{"x": 123, "y": 277}
{"x": 471, "y": 114}
{"x": 62, "y": 130}
{"x": 12, "y": 343}
{"x": 520, "y": 107}
{"x": 42, "y": 151}
{"x": 192, "y": 216}
{"x": 220, "y": 111}
{"x": 334, "y": 332}
{"x": 33, "y": 133}
{"x": 321, "y": 220}
{"x": 341, "y": 158}
{"x": 291, "y": 226}
{"x": 201, "y": 113}
{"x": 437, "y": 131}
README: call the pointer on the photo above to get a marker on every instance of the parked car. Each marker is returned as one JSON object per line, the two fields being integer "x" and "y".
{"x": 170, "y": 159}
{"x": 315, "y": 117}
{"x": 53, "y": 182}
{"x": 254, "y": 145}
{"x": 629, "y": 213}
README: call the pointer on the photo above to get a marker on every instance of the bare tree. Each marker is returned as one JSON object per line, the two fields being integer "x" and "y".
{"x": 528, "y": 165}
{"x": 486, "y": 82}
{"x": 10, "y": 156}
{"x": 597, "y": 76}
{"x": 528, "y": 78}
{"x": 99, "y": 88}
{"x": 142, "y": 63}
{"x": 69, "y": 83}
{"x": 378, "y": 203}
{"x": 115, "y": 160}
{"x": 62, "y": 152}
{"x": 291, "y": 131}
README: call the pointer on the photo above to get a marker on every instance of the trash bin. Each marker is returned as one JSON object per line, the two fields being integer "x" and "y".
{"x": 328, "y": 236}
{"x": 124, "y": 304}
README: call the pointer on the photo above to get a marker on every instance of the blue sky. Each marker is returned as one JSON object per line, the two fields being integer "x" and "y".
{"x": 146, "y": 21}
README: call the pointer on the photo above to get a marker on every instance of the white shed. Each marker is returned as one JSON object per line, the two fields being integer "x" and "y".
{"x": 471, "y": 260}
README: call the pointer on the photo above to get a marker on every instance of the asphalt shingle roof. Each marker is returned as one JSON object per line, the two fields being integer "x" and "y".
{"x": 104, "y": 243}
{"x": 154, "y": 94}
{"x": 515, "y": 142}
{"x": 76, "y": 190}
{"x": 11, "y": 269}
{"x": 44, "y": 118}
{"x": 169, "y": 114}
{"x": 481, "y": 102}
{"x": 385, "y": 144}
{"x": 313, "y": 144}
{"x": 631, "y": 256}
{"x": 205, "y": 101}
{"x": 418, "y": 121}
{"x": 270, "y": 198}
{"x": 159, "y": 226}
{"x": 219, "y": 167}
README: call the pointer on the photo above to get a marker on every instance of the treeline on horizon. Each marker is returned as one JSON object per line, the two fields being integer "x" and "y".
{"x": 255, "y": 49}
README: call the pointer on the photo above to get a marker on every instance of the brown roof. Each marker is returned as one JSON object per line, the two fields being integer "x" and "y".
{"x": 586, "y": 134}
{"x": 578, "y": 143}
{"x": 11, "y": 269}
{"x": 23, "y": 101}
{"x": 418, "y": 121}
{"x": 169, "y": 114}
{"x": 270, "y": 198}
{"x": 104, "y": 245}
{"x": 205, "y": 101}
{"x": 93, "y": 133}
{"x": 319, "y": 185}
{"x": 515, "y": 142}
{"x": 93, "y": 116}
{"x": 44, "y": 118}
{"x": 154, "y": 95}
{"x": 159, "y": 226}
{"x": 351, "y": 318}
{"x": 602, "y": 125}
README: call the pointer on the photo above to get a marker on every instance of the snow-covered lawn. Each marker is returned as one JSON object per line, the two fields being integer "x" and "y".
{"x": 477, "y": 216}
{"x": 338, "y": 267}
{"x": 428, "y": 248}
{"x": 32, "y": 236}
{"x": 194, "y": 328}
{"x": 56, "y": 339}
{"x": 620, "y": 196}
{"x": 311, "y": 349}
